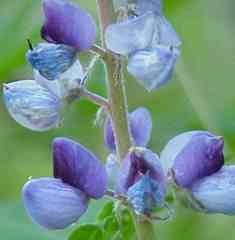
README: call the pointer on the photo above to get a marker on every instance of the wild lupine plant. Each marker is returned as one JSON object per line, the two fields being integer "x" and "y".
{"x": 137, "y": 181}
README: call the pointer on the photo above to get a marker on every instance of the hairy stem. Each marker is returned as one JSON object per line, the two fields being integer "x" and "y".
{"x": 95, "y": 98}
{"x": 115, "y": 85}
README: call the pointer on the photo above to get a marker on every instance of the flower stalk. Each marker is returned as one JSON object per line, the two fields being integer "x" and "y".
{"x": 118, "y": 106}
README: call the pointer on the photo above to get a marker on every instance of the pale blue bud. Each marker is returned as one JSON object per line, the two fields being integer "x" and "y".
{"x": 31, "y": 105}
{"x": 216, "y": 193}
{"x": 165, "y": 34}
{"x": 51, "y": 60}
{"x": 53, "y": 204}
{"x": 66, "y": 84}
{"x": 112, "y": 167}
{"x": 128, "y": 36}
{"x": 153, "y": 67}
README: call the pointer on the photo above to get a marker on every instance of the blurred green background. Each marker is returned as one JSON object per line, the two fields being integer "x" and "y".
{"x": 201, "y": 96}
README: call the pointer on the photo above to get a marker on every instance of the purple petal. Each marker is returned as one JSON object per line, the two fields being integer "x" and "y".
{"x": 216, "y": 193}
{"x": 79, "y": 167}
{"x": 144, "y": 6}
{"x": 141, "y": 127}
{"x": 67, "y": 23}
{"x": 192, "y": 156}
{"x": 137, "y": 163}
{"x": 53, "y": 204}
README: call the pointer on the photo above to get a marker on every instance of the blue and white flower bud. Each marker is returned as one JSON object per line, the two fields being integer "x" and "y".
{"x": 53, "y": 204}
{"x": 130, "y": 35}
{"x": 67, "y": 83}
{"x": 51, "y": 60}
{"x": 192, "y": 156}
{"x": 144, "y": 6}
{"x": 32, "y": 106}
{"x": 165, "y": 34}
{"x": 216, "y": 193}
{"x": 153, "y": 67}
{"x": 145, "y": 195}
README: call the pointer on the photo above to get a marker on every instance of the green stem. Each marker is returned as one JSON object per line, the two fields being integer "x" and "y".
{"x": 118, "y": 106}
{"x": 115, "y": 85}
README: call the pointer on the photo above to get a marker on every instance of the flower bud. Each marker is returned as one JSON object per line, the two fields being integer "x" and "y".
{"x": 138, "y": 162}
{"x": 32, "y": 106}
{"x": 128, "y": 36}
{"x": 144, "y": 6}
{"x": 140, "y": 122}
{"x": 215, "y": 193}
{"x": 79, "y": 167}
{"x": 191, "y": 156}
{"x": 165, "y": 34}
{"x": 153, "y": 67}
{"x": 66, "y": 23}
{"x": 52, "y": 203}
{"x": 68, "y": 82}
{"x": 145, "y": 195}
{"x": 51, "y": 60}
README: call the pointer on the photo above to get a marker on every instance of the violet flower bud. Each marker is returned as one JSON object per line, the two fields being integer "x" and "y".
{"x": 68, "y": 82}
{"x": 140, "y": 126}
{"x": 51, "y": 60}
{"x": 191, "y": 156}
{"x": 153, "y": 67}
{"x": 130, "y": 35}
{"x": 138, "y": 162}
{"x": 79, "y": 167}
{"x": 216, "y": 193}
{"x": 52, "y": 203}
{"x": 32, "y": 106}
{"x": 145, "y": 195}
{"x": 66, "y": 23}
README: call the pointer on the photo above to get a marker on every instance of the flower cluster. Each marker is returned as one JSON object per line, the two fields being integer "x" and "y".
{"x": 192, "y": 162}
{"x": 150, "y": 43}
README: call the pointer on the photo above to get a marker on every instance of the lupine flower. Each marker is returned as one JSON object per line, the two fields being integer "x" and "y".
{"x": 59, "y": 201}
{"x": 141, "y": 174}
{"x": 150, "y": 61}
{"x": 52, "y": 203}
{"x": 79, "y": 167}
{"x": 140, "y": 126}
{"x": 67, "y": 84}
{"x": 51, "y": 60}
{"x": 66, "y": 23}
{"x": 216, "y": 193}
{"x": 112, "y": 167}
{"x": 191, "y": 156}
{"x": 32, "y": 106}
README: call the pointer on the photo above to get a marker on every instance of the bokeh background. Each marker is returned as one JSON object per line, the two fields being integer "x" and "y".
{"x": 201, "y": 96}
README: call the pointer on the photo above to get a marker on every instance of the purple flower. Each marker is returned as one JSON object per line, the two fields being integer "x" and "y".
{"x": 52, "y": 203}
{"x": 191, "y": 156}
{"x": 144, "y": 6}
{"x": 140, "y": 125}
{"x": 79, "y": 167}
{"x": 59, "y": 201}
{"x": 138, "y": 162}
{"x": 216, "y": 193}
{"x": 66, "y": 23}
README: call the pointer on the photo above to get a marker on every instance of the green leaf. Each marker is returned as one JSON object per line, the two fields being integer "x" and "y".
{"x": 105, "y": 212}
{"x": 87, "y": 232}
